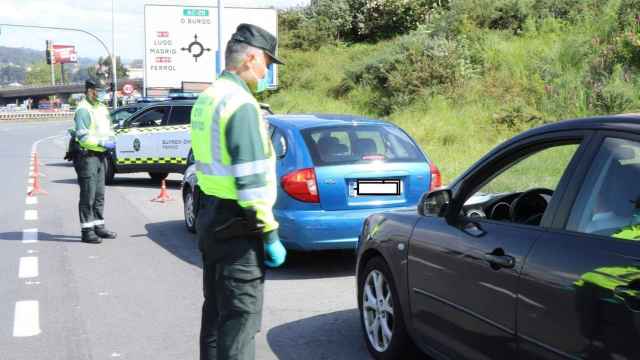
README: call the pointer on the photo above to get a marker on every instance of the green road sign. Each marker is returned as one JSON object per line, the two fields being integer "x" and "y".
{"x": 195, "y": 12}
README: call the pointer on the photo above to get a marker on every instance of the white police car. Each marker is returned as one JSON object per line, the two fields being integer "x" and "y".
{"x": 155, "y": 139}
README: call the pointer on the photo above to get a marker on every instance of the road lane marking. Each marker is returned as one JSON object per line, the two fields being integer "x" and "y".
{"x": 29, "y": 189}
{"x": 32, "y": 251}
{"x": 28, "y": 267}
{"x": 31, "y": 200}
{"x": 26, "y": 321}
{"x": 29, "y": 236}
{"x": 31, "y": 181}
{"x": 31, "y": 214}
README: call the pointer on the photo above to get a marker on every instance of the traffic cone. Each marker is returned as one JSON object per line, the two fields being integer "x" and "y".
{"x": 164, "y": 194}
{"x": 37, "y": 190}
{"x": 36, "y": 166}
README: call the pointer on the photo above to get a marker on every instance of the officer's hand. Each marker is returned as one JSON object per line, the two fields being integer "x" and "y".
{"x": 110, "y": 145}
{"x": 273, "y": 249}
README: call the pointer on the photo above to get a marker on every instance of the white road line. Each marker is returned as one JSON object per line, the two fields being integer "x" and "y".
{"x": 26, "y": 321}
{"x": 29, "y": 189}
{"x": 31, "y": 200}
{"x": 28, "y": 267}
{"x": 29, "y": 236}
{"x": 31, "y": 181}
{"x": 31, "y": 214}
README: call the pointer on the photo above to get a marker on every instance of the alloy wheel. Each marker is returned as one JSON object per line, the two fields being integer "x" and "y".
{"x": 189, "y": 217}
{"x": 377, "y": 310}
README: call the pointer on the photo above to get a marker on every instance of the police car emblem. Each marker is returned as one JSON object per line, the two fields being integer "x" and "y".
{"x": 136, "y": 144}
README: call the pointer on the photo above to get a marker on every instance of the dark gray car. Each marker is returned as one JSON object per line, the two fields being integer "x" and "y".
{"x": 532, "y": 253}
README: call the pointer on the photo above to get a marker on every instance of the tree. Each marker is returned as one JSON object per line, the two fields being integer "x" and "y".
{"x": 12, "y": 73}
{"x": 102, "y": 71}
{"x": 40, "y": 74}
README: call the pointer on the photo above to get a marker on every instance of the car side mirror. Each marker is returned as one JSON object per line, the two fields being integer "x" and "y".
{"x": 435, "y": 203}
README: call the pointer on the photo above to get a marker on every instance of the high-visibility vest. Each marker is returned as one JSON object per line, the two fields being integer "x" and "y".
{"x": 100, "y": 129}
{"x": 214, "y": 171}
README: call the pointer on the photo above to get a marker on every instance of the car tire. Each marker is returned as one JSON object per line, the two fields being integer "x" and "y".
{"x": 158, "y": 176}
{"x": 397, "y": 345}
{"x": 189, "y": 211}
{"x": 109, "y": 171}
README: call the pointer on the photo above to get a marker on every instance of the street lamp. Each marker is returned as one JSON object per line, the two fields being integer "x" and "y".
{"x": 76, "y": 30}
{"x": 113, "y": 55}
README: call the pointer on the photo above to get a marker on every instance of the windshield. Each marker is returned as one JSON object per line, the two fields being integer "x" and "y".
{"x": 337, "y": 145}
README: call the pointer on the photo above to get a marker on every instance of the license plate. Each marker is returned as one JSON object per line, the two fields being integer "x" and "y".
{"x": 378, "y": 187}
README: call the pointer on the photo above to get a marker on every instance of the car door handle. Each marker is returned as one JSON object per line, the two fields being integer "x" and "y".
{"x": 501, "y": 261}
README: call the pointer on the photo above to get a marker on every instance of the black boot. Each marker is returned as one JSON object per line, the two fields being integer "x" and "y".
{"x": 89, "y": 236}
{"x": 102, "y": 232}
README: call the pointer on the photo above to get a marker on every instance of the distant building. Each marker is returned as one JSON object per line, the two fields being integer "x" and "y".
{"x": 135, "y": 72}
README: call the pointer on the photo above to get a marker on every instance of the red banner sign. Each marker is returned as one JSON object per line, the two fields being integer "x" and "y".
{"x": 64, "y": 54}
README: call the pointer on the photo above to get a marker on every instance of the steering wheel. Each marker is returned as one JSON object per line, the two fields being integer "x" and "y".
{"x": 529, "y": 206}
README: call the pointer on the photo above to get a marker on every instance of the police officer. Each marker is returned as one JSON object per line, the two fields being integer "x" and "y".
{"x": 235, "y": 168}
{"x": 94, "y": 136}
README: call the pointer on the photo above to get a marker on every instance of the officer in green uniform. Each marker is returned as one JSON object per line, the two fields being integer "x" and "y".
{"x": 235, "y": 168}
{"x": 94, "y": 136}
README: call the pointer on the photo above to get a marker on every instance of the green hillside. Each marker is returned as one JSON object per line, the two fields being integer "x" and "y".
{"x": 461, "y": 76}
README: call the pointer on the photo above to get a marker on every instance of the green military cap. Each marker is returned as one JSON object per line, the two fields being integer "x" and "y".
{"x": 259, "y": 38}
{"x": 89, "y": 84}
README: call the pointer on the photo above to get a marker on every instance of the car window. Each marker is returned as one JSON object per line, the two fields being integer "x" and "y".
{"x": 522, "y": 190}
{"x": 360, "y": 144}
{"x": 180, "y": 115}
{"x": 279, "y": 143}
{"x": 609, "y": 201}
{"x": 542, "y": 169}
{"x": 151, "y": 117}
{"x": 120, "y": 115}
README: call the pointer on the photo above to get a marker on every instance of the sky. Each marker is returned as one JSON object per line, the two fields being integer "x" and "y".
{"x": 95, "y": 17}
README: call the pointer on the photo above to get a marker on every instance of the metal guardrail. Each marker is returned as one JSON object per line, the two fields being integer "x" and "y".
{"x": 36, "y": 115}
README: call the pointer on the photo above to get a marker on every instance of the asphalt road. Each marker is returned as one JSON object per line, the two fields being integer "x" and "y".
{"x": 139, "y": 296}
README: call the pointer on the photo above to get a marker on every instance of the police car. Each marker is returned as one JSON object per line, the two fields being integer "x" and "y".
{"x": 155, "y": 139}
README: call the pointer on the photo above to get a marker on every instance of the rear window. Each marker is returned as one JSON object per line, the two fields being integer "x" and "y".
{"x": 360, "y": 144}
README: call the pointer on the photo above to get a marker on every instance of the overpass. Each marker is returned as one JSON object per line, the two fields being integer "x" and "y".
{"x": 13, "y": 94}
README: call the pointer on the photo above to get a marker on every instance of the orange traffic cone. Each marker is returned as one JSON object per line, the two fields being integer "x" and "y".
{"x": 164, "y": 194}
{"x": 36, "y": 166}
{"x": 37, "y": 190}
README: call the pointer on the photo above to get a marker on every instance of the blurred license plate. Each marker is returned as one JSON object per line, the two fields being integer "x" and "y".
{"x": 378, "y": 187}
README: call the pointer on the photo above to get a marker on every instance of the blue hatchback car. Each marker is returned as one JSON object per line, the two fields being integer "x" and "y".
{"x": 334, "y": 171}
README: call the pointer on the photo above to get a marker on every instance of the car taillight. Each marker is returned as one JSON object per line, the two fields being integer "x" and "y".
{"x": 436, "y": 178}
{"x": 301, "y": 185}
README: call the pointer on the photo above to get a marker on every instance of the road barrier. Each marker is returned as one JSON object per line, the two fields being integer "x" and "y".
{"x": 36, "y": 115}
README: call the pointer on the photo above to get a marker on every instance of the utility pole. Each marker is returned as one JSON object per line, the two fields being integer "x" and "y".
{"x": 114, "y": 65}
{"x": 220, "y": 59}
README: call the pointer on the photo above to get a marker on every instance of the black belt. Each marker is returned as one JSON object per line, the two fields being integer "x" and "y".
{"x": 87, "y": 152}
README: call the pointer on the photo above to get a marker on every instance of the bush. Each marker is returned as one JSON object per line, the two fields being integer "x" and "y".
{"x": 559, "y": 9}
{"x": 374, "y": 20}
{"x": 495, "y": 14}
{"x": 413, "y": 66}
{"x": 616, "y": 96}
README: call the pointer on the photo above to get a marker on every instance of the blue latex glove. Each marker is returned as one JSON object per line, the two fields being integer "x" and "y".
{"x": 109, "y": 145}
{"x": 274, "y": 250}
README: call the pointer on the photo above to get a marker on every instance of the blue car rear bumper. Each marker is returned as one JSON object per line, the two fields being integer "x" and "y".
{"x": 323, "y": 230}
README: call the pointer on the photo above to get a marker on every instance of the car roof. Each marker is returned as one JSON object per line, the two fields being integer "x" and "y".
{"x": 312, "y": 120}
{"x": 619, "y": 122}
